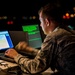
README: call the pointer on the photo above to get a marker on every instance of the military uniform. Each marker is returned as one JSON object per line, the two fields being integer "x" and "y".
{"x": 57, "y": 52}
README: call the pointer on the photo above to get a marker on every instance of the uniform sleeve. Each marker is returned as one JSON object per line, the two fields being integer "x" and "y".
{"x": 34, "y": 52}
{"x": 38, "y": 64}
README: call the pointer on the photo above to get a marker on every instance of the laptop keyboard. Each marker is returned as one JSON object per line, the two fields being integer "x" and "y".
{"x": 6, "y": 58}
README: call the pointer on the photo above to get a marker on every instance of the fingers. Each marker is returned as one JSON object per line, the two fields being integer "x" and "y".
{"x": 11, "y": 53}
{"x": 7, "y": 51}
{"x": 21, "y": 46}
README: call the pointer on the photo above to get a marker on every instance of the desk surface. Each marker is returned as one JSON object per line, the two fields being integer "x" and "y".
{"x": 47, "y": 72}
{"x": 6, "y": 64}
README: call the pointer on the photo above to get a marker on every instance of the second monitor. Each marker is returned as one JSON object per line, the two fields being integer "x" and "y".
{"x": 34, "y": 34}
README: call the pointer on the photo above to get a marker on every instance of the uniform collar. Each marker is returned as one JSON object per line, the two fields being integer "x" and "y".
{"x": 54, "y": 30}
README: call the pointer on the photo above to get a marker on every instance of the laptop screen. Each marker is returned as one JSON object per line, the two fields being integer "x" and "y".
{"x": 5, "y": 40}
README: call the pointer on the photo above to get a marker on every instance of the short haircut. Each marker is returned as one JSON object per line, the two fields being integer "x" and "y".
{"x": 52, "y": 11}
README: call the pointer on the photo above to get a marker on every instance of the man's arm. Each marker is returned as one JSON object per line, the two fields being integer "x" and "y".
{"x": 24, "y": 48}
{"x": 32, "y": 66}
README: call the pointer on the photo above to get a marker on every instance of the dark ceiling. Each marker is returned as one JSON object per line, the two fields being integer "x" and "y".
{"x": 29, "y": 7}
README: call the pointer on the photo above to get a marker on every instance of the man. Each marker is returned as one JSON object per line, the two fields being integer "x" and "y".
{"x": 57, "y": 51}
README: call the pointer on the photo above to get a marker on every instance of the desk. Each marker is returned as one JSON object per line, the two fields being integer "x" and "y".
{"x": 47, "y": 72}
{"x": 5, "y": 65}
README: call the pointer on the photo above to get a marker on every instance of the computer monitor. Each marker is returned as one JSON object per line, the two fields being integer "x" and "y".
{"x": 5, "y": 40}
{"x": 34, "y": 34}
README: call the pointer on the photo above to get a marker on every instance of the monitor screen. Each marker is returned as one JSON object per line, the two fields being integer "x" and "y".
{"x": 5, "y": 40}
{"x": 34, "y": 35}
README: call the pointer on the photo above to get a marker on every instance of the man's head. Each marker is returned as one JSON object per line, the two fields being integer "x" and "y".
{"x": 49, "y": 16}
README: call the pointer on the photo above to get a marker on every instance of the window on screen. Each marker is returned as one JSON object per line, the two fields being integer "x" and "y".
{"x": 34, "y": 35}
{"x": 5, "y": 40}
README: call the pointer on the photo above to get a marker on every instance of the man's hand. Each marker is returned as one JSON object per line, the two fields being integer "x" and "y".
{"x": 21, "y": 46}
{"x": 11, "y": 53}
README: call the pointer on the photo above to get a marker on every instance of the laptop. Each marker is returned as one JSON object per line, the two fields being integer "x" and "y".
{"x": 17, "y": 36}
{"x": 9, "y": 39}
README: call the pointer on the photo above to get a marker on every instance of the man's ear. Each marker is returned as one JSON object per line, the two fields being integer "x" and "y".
{"x": 47, "y": 22}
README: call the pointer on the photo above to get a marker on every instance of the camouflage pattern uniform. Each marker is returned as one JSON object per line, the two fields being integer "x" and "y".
{"x": 57, "y": 52}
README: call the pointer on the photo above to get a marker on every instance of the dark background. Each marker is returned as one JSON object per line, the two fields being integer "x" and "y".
{"x": 27, "y": 9}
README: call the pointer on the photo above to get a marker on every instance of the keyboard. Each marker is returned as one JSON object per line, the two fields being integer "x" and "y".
{"x": 6, "y": 58}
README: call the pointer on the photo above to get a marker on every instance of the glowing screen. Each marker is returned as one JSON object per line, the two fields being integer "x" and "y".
{"x": 34, "y": 35}
{"x": 5, "y": 40}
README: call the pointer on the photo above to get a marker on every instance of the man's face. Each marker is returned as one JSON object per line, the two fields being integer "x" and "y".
{"x": 43, "y": 23}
